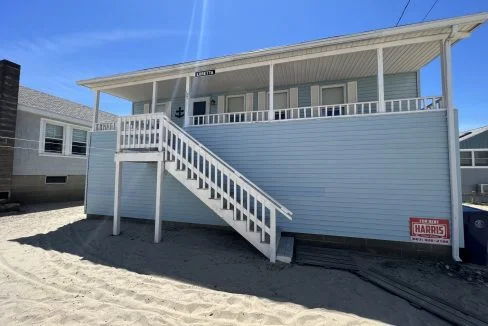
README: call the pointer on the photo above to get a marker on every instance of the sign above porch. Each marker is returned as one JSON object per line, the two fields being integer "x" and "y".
{"x": 205, "y": 73}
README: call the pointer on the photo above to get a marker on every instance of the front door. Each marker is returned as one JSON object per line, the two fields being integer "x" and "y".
{"x": 199, "y": 108}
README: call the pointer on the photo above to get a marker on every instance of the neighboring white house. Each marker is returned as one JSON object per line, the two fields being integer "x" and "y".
{"x": 50, "y": 147}
{"x": 330, "y": 139}
{"x": 473, "y": 145}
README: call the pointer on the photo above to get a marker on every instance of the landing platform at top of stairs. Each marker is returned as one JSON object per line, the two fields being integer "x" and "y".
{"x": 139, "y": 156}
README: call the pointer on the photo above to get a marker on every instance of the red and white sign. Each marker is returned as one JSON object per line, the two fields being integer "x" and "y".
{"x": 430, "y": 230}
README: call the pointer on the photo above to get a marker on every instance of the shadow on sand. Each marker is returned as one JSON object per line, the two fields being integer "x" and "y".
{"x": 222, "y": 260}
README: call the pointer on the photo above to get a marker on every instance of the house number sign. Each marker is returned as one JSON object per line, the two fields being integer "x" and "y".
{"x": 205, "y": 73}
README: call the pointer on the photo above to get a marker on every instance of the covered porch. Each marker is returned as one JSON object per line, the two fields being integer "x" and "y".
{"x": 369, "y": 79}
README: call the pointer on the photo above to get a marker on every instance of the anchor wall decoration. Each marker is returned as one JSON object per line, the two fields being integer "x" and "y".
{"x": 180, "y": 113}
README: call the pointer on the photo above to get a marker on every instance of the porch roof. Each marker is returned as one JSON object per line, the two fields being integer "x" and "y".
{"x": 406, "y": 48}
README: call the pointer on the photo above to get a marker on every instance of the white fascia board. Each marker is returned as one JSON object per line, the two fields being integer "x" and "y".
{"x": 53, "y": 115}
{"x": 177, "y": 69}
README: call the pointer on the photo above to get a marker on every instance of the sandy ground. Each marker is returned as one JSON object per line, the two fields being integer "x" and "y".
{"x": 56, "y": 267}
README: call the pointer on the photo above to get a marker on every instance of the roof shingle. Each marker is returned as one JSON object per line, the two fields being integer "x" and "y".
{"x": 36, "y": 99}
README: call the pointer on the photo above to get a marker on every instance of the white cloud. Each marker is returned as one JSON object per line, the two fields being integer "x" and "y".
{"x": 74, "y": 42}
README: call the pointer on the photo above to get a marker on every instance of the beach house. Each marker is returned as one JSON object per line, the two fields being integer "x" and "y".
{"x": 329, "y": 139}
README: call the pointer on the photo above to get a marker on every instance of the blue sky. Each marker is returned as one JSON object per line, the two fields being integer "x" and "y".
{"x": 58, "y": 43}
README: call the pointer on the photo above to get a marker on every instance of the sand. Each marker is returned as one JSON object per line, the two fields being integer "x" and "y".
{"x": 56, "y": 267}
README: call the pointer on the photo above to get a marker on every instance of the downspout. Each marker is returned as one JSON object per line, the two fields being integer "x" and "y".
{"x": 453, "y": 144}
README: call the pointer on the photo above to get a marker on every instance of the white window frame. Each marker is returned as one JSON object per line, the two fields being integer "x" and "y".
{"x": 227, "y": 97}
{"x": 71, "y": 142}
{"x": 278, "y": 92}
{"x": 67, "y": 138}
{"x": 205, "y": 99}
{"x": 344, "y": 86}
{"x": 473, "y": 166}
{"x": 169, "y": 103}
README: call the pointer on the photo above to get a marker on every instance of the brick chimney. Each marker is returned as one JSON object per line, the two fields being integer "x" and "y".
{"x": 9, "y": 94}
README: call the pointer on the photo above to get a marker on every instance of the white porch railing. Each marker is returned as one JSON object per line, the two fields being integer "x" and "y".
{"x": 321, "y": 111}
{"x": 249, "y": 202}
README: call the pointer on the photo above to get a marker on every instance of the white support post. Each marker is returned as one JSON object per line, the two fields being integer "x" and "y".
{"x": 154, "y": 97}
{"x": 272, "y": 239}
{"x": 96, "y": 108}
{"x": 159, "y": 197}
{"x": 456, "y": 207}
{"x": 271, "y": 93}
{"x": 118, "y": 184}
{"x": 187, "y": 102}
{"x": 381, "y": 82}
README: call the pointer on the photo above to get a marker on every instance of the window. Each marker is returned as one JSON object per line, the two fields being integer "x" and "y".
{"x": 481, "y": 158}
{"x": 53, "y": 140}
{"x": 236, "y": 103}
{"x": 331, "y": 95}
{"x": 56, "y": 179}
{"x": 78, "y": 142}
{"x": 62, "y": 139}
{"x": 466, "y": 159}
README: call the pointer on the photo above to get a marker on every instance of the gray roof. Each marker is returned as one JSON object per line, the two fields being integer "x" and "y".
{"x": 471, "y": 133}
{"x": 53, "y": 104}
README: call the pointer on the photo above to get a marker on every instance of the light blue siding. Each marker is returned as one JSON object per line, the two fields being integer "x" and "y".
{"x": 138, "y": 188}
{"x": 356, "y": 176}
{"x": 397, "y": 86}
{"x": 353, "y": 176}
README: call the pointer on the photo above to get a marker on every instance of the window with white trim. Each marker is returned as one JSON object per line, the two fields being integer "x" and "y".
{"x": 78, "y": 142}
{"x": 480, "y": 158}
{"x": 53, "y": 138}
{"x": 466, "y": 158}
{"x": 236, "y": 103}
{"x": 63, "y": 139}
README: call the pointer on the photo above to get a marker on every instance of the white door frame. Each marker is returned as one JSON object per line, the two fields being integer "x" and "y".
{"x": 205, "y": 99}
{"x": 333, "y": 86}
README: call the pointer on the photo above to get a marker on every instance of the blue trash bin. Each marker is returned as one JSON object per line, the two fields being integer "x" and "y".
{"x": 476, "y": 235}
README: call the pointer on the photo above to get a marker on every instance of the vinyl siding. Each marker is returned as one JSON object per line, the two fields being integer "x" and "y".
{"x": 471, "y": 178}
{"x": 28, "y": 161}
{"x": 356, "y": 176}
{"x": 138, "y": 188}
{"x": 478, "y": 141}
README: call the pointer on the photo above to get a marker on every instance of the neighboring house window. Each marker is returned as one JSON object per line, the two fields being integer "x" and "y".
{"x": 481, "y": 158}
{"x": 466, "y": 159}
{"x": 53, "y": 140}
{"x": 56, "y": 179}
{"x": 78, "y": 142}
{"x": 62, "y": 139}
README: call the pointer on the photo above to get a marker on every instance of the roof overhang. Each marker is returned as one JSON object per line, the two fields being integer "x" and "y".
{"x": 406, "y": 48}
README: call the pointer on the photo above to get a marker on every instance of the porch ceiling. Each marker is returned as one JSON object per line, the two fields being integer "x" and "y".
{"x": 329, "y": 68}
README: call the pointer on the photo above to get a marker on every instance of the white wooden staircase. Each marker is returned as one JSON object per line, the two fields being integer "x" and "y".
{"x": 234, "y": 198}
